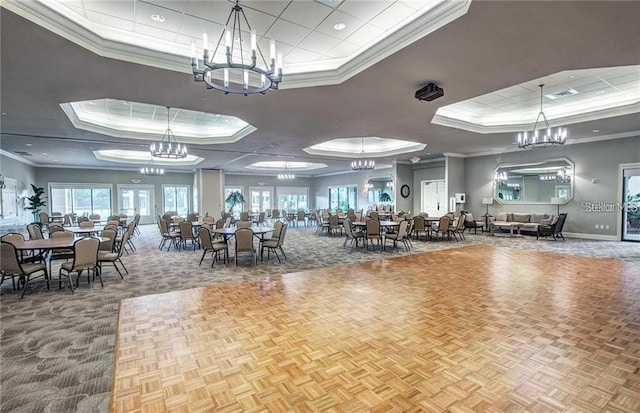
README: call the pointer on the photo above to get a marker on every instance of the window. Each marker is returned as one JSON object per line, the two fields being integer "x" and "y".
{"x": 9, "y": 199}
{"x": 373, "y": 196}
{"x": 343, "y": 197}
{"x": 176, "y": 198}
{"x": 293, "y": 198}
{"x": 80, "y": 199}
{"x": 238, "y": 208}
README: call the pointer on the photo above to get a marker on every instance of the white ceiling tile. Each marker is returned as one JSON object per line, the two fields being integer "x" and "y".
{"x": 594, "y": 86}
{"x": 281, "y": 48}
{"x": 344, "y": 49}
{"x": 392, "y": 16}
{"x": 307, "y": 14}
{"x": 352, "y": 25}
{"x": 78, "y": 10}
{"x": 109, "y": 21}
{"x": 318, "y": 43}
{"x": 626, "y": 78}
{"x": 259, "y": 21}
{"x": 289, "y": 33}
{"x": 71, "y": 3}
{"x": 300, "y": 55}
{"x": 365, "y": 10}
{"x": 195, "y": 27}
{"x": 155, "y": 32}
{"x": 334, "y": 4}
{"x": 215, "y": 11}
{"x": 420, "y": 4}
{"x": 271, "y": 7}
{"x": 366, "y": 35}
{"x": 187, "y": 40}
{"x": 175, "y": 5}
{"x": 123, "y": 9}
{"x": 144, "y": 11}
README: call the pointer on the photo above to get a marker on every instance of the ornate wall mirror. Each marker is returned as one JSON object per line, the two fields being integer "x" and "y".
{"x": 535, "y": 182}
{"x": 380, "y": 190}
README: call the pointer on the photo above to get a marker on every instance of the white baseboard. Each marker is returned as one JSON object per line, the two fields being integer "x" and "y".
{"x": 591, "y": 236}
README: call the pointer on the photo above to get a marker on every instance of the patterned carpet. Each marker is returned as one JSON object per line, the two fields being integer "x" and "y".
{"x": 57, "y": 348}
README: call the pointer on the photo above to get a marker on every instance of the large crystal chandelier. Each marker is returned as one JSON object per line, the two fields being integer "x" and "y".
{"x": 241, "y": 74}
{"x": 548, "y": 137}
{"x": 362, "y": 163}
{"x": 168, "y": 147}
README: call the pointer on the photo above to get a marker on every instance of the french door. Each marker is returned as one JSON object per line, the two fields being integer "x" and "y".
{"x": 261, "y": 198}
{"x": 631, "y": 203}
{"x": 137, "y": 199}
{"x": 434, "y": 198}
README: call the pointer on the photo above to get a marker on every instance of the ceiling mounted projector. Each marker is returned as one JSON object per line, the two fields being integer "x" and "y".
{"x": 429, "y": 92}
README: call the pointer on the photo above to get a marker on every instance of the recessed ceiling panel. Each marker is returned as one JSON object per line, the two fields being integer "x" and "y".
{"x": 372, "y": 146}
{"x": 285, "y": 165}
{"x": 143, "y": 157}
{"x": 136, "y": 120}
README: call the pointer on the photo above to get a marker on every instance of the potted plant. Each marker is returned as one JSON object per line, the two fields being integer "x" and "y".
{"x": 36, "y": 201}
{"x": 385, "y": 197}
{"x": 233, "y": 199}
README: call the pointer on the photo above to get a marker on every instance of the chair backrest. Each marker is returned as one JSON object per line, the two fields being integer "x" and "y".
{"x": 350, "y": 211}
{"x": 111, "y": 235}
{"x": 166, "y": 218}
{"x": 192, "y": 217}
{"x": 209, "y": 220}
{"x": 244, "y": 224}
{"x": 81, "y": 219}
{"x": 282, "y": 234}
{"x": 67, "y": 220}
{"x": 358, "y": 216}
{"x": 164, "y": 227}
{"x": 85, "y": 253}
{"x": 111, "y": 226}
{"x": 418, "y": 223}
{"x": 244, "y": 240}
{"x": 373, "y": 227}
{"x": 443, "y": 225}
{"x": 177, "y": 220}
{"x": 123, "y": 216}
{"x": 44, "y": 218}
{"x": 94, "y": 216}
{"x": 220, "y": 224}
{"x": 261, "y": 217}
{"x": 9, "y": 262}
{"x": 113, "y": 218}
{"x": 186, "y": 229}
{"x": 275, "y": 214}
{"x": 227, "y": 222}
{"x": 244, "y": 216}
{"x": 559, "y": 223}
{"x": 300, "y": 215}
{"x": 402, "y": 229}
{"x": 205, "y": 238}
{"x": 334, "y": 221}
{"x": 56, "y": 214}
{"x": 86, "y": 224}
{"x": 461, "y": 220}
{"x": 411, "y": 224}
{"x": 54, "y": 227}
{"x": 63, "y": 234}
{"x": 12, "y": 237}
{"x": 277, "y": 228}
{"x": 374, "y": 215}
{"x": 347, "y": 228}
{"x": 35, "y": 232}
{"x": 123, "y": 243}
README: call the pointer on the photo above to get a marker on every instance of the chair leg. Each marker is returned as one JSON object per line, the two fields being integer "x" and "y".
{"x": 95, "y": 271}
{"x": 26, "y": 282}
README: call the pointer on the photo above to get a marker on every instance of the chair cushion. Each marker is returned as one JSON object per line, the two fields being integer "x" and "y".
{"x": 270, "y": 243}
{"x": 521, "y": 218}
{"x": 537, "y": 218}
{"x": 502, "y": 216}
{"x": 31, "y": 268}
{"x": 107, "y": 256}
{"x": 468, "y": 217}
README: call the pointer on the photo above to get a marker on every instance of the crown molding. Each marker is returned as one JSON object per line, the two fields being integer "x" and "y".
{"x": 17, "y": 158}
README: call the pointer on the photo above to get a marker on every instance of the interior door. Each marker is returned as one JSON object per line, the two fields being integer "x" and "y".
{"x": 631, "y": 204}
{"x": 137, "y": 199}
{"x": 434, "y": 198}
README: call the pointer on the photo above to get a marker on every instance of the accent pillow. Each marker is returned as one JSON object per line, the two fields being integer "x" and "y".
{"x": 468, "y": 217}
{"x": 537, "y": 218}
{"x": 502, "y": 216}
{"x": 525, "y": 218}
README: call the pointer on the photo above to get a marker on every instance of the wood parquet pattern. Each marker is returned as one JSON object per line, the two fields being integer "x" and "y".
{"x": 472, "y": 329}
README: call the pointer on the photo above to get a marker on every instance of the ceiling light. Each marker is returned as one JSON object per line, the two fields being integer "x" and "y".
{"x": 339, "y": 26}
{"x": 240, "y": 75}
{"x": 547, "y": 139}
{"x": 415, "y": 159}
{"x": 158, "y": 18}
{"x": 28, "y": 144}
{"x": 151, "y": 170}
{"x": 286, "y": 176}
{"x": 169, "y": 149}
{"x": 595, "y": 130}
{"x": 362, "y": 163}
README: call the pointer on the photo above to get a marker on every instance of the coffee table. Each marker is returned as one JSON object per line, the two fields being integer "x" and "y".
{"x": 511, "y": 226}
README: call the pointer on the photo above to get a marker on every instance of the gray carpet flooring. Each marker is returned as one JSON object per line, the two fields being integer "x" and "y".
{"x": 57, "y": 348}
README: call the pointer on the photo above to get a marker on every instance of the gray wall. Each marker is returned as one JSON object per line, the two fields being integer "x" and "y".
{"x": 25, "y": 175}
{"x": 404, "y": 176}
{"x": 44, "y": 176}
{"x": 247, "y": 181}
{"x": 455, "y": 178}
{"x": 359, "y": 179}
{"x": 599, "y": 160}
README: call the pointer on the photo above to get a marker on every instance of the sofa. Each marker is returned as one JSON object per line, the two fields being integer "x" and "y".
{"x": 530, "y": 221}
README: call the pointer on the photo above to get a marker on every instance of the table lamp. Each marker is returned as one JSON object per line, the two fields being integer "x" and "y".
{"x": 487, "y": 202}
{"x": 557, "y": 201}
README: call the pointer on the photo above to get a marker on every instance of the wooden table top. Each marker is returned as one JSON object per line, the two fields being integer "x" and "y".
{"x": 48, "y": 243}
{"x": 78, "y": 230}
{"x": 382, "y": 223}
{"x": 231, "y": 231}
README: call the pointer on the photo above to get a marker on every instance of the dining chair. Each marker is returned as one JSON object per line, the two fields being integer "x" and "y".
{"x": 334, "y": 225}
{"x": 244, "y": 244}
{"x": 274, "y": 244}
{"x": 401, "y": 235}
{"x": 351, "y": 234}
{"x": 94, "y": 217}
{"x": 85, "y": 257}
{"x": 114, "y": 257}
{"x": 215, "y": 248}
{"x": 186, "y": 234}
{"x": 373, "y": 233}
{"x": 419, "y": 226}
{"x": 443, "y": 227}
{"x": 167, "y": 235}
{"x": 243, "y": 224}
{"x": 10, "y": 266}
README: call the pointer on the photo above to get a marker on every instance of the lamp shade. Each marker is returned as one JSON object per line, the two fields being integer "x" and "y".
{"x": 557, "y": 200}
{"x": 487, "y": 201}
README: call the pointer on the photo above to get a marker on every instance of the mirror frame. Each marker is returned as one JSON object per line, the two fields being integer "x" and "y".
{"x": 518, "y": 164}
{"x": 389, "y": 178}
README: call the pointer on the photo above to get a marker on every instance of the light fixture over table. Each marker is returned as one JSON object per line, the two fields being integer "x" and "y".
{"x": 362, "y": 163}
{"x": 286, "y": 176}
{"x": 168, "y": 147}
{"x": 151, "y": 170}
{"x": 240, "y": 74}
{"x": 549, "y": 137}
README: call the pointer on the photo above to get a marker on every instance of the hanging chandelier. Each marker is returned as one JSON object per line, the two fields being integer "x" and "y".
{"x": 500, "y": 176}
{"x": 286, "y": 176}
{"x": 168, "y": 147}
{"x": 151, "y": 170}
{"x": 362, "y": 163}
{"x": 241, "y": 74}
{"x": 563, "y": 176}
{"x": 548, "y": 137}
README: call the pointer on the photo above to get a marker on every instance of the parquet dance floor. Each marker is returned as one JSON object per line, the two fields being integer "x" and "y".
{"x": 477, "y": 328}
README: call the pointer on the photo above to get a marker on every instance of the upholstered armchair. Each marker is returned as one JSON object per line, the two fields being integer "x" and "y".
{"x": 554, "y": 230}
{"x": 470, "y": 223}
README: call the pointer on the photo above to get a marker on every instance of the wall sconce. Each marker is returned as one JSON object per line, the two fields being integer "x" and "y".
{"x": 368, "y": 187}
{"x": 563, "y": 176}
{"x": 2, "y": 185}
{"x": 500, "y": 176}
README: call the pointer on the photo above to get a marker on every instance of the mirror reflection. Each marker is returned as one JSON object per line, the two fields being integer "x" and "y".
{"x": 380, "y": 190}
{"x": 534, "y": 183}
